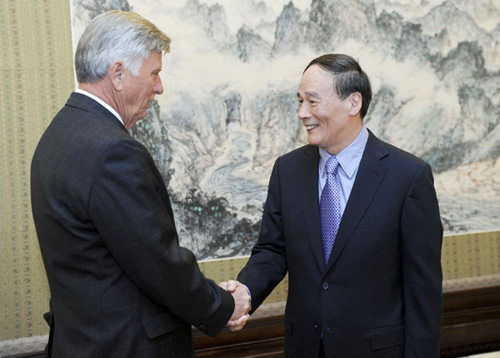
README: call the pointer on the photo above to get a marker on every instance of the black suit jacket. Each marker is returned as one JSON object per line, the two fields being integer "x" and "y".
{"x": 121, "y": 286}
{"x": 380, "y": 294}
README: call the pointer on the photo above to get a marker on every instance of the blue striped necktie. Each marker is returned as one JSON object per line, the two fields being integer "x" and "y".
{"x": 330, "y": 207}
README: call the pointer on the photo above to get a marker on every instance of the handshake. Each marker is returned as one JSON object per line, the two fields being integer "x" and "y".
{"x": 242, "y": 304}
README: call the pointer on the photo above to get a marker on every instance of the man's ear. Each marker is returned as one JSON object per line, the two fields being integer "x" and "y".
{"x": 117, "y": 74}
{"x": 355, "y": 102}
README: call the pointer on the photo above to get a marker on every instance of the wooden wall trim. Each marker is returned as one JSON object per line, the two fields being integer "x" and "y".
{"x": 471, "y": 322}
{"x": 263, "y": 337}
{"x": 471, "y": 325}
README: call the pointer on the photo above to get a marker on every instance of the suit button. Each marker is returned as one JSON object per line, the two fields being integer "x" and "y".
{"x": 316, "y": 327}
{"x": 325, "y": 286}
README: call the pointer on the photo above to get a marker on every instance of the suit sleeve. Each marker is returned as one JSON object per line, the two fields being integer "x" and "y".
{"x": 267, "y": 265}
{"x": 129, "y": 206}
{"x": 422, "y": 235}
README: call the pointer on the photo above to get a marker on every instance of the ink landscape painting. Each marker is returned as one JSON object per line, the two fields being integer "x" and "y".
{"x": 230, "y": 108}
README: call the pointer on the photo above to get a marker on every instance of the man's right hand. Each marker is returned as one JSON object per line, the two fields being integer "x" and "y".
{"x": 242, "y": 304}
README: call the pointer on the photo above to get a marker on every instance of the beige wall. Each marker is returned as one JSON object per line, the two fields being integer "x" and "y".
{"x": 37, "y": 77}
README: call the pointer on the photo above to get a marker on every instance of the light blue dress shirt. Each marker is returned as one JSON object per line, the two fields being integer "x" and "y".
{"x": 349, "y": 160}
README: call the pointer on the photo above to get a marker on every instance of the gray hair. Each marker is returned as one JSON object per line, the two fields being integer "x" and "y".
{"x": 116, "y": 35}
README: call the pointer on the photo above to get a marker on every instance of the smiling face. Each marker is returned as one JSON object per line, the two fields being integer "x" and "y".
{"x": 139, "y": 90}
{"x": 331, "y": 123}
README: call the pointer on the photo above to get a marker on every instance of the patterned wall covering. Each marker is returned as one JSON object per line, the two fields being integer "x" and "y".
{"x": 37, "y": 77}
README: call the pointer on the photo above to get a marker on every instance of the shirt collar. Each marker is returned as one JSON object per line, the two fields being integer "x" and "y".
{"x": 101, "y": 102}
{"x": 350, "y": 157}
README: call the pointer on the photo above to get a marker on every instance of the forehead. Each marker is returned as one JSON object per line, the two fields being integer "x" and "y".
{"x": 153, "y": 62}
{"x": 317, "y": 80}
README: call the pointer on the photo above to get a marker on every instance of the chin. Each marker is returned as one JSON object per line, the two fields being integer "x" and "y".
{"x": 312, "y": 141}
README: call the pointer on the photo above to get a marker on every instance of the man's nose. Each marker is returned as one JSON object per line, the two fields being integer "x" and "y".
{"x": 158, "y": 86}
{"x": 303, "y": 111}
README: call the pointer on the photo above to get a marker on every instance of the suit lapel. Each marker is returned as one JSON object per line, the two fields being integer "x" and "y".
{"x": 370, "y": 175}
{"x": 308, "y": 175}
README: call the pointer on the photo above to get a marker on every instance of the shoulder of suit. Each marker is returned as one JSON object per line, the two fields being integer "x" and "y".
{"x": 393, "y": 150}
{"x": 306, "y": 151}
{"x": 402, "y": 159}
{"x": 91, "y": 131}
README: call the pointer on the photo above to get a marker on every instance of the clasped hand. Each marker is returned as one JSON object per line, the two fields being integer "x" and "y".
{"x": 242, "y": 304}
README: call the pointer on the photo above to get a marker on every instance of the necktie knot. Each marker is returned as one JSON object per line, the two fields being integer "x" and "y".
{"x": 332, "y": 165}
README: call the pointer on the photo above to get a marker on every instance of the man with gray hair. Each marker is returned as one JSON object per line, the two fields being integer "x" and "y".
{"x": 121, "y": 286}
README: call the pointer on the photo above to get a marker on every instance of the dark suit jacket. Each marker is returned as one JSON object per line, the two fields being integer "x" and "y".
{"x": 120, "y": 284}
{"x": 380, "y": 294}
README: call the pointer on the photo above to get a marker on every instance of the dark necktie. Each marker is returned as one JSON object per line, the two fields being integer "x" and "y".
{"x": 330, "y": 207}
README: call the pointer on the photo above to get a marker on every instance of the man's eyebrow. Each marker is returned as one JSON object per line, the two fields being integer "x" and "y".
{"x": 310, "y": 94}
